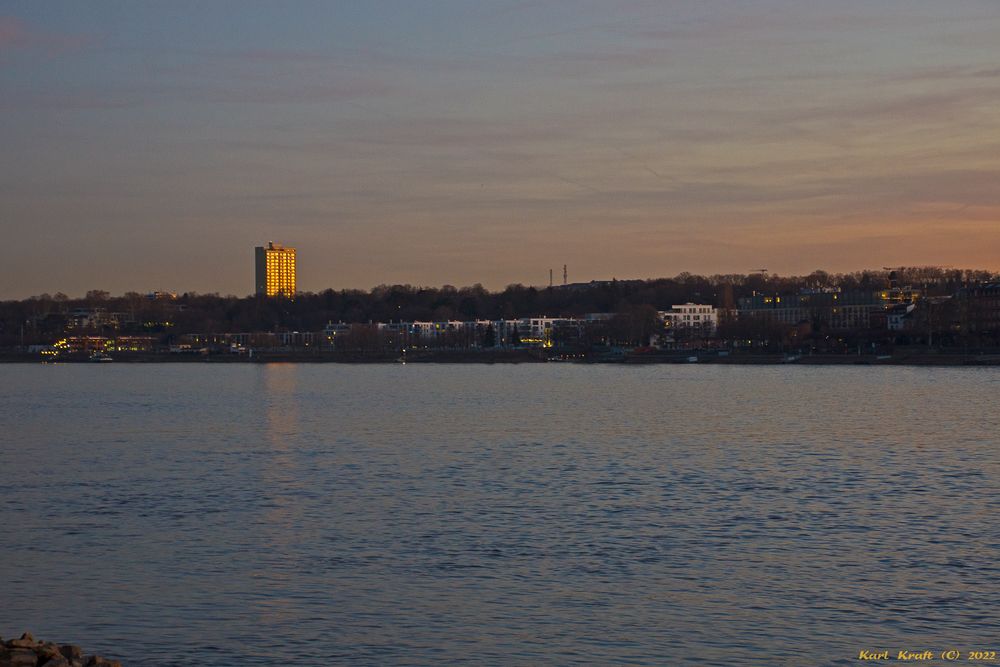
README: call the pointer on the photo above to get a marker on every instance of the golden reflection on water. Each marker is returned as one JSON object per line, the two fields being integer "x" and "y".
{"x": 279, "y": 383}
{"x": 276, "y": 389}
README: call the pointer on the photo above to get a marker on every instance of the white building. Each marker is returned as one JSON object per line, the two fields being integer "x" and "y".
{"x": 691, "y": 316}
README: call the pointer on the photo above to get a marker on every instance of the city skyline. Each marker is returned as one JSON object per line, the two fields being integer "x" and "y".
{"x": 548, "y": 332}
{"x": 148, "y": 146}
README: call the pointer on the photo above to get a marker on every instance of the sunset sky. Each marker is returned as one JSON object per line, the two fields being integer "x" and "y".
{"x": 152, "y": 145}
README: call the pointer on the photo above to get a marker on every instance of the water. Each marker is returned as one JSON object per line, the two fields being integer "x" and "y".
{"x": 535, "y": 514}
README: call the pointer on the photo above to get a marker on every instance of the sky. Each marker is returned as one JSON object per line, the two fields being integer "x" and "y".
{"x": 152, "y": 145}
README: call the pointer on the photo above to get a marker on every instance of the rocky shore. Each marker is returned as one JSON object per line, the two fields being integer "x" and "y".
{"x": 28, "y": 652}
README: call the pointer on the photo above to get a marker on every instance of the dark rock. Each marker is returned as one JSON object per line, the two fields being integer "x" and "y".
{"x": 48, "y": 650}
{"x": 57, "y": 661}
{"x": 21, "y": 657}
{"x": 27, "y": 652}
{"x": 98, "y": 661}
{"x": 71, "y": 652}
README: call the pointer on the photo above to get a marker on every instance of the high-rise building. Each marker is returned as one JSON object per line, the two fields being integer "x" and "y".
{"x": 274, "y": 270}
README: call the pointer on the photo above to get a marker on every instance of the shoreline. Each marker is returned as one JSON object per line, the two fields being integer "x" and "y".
{"x": 531, "y": 357}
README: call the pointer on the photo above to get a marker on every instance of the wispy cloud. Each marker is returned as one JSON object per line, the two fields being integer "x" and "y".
{"x": 17, "y": 35}
{"x": 630, "y": 135}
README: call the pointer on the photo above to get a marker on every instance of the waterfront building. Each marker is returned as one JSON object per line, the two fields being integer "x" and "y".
{"x": 240, "y": 342}
{"x": 447, "y": 332}
{"x": 85, "y": 318}
{"x": 297, "y": 338}
{"x": 78, "y": 344}
{"x": 334, "y": 329}
{"x": 523, "y": 332}
{"x": 274, "y": 270}
{"x": 979, "y": 309}
{"x": 132, "y": 344}
{"x": 539, "y": 330}
{"x": 828, "y": 307}
{"x": 91, "y": 318}
{"x": 898, "y": 315}
{"x": 691, "y": 316}
{"x": 102, "y": 344}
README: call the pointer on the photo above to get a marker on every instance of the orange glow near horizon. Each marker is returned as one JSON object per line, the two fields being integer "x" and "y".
{"x": 496, "y": 143}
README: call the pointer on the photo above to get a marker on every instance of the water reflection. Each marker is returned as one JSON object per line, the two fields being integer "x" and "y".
{"x": 278, "y": 386}
{"x": 272, "y": 603}
{"x": 498, "y": 515}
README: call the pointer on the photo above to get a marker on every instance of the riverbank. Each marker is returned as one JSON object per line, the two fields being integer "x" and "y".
{"x": 528, "y": 357}
{"x": 899, "y": 358}
{"x": 904, "y": 359}
{"x": 29, "y": 652}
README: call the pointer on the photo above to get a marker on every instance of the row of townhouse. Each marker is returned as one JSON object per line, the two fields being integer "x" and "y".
{"x": 264, "y": 339}
{"x": 90, "y": 344}
{"x": 539, "y": 331}
{"x": 833, "y": 308}
{"x": 91, "y": 318}
{"x": 525, "y": 331}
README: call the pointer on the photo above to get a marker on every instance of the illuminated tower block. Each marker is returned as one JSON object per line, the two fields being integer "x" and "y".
{"x": 274, "y": 270}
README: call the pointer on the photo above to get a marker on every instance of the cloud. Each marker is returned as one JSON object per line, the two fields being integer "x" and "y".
{"x": 78, "y": 100}
{"x": 150, "y": 94}
{"x": 16, "y": 35}
{"x": 294, "y": 93}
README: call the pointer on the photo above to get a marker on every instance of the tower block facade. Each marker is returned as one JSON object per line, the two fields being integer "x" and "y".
{"x": 274, "y": 270}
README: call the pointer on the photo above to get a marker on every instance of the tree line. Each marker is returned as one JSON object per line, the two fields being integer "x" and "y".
{"x": 39, "y": 318}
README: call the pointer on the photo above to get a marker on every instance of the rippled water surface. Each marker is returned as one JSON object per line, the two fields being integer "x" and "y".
{"x": 532, "y": 514}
